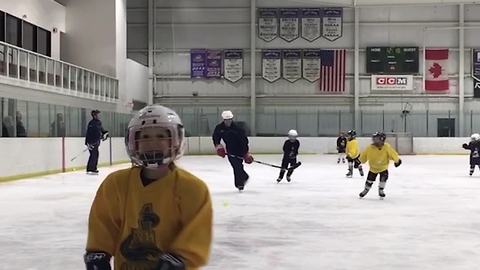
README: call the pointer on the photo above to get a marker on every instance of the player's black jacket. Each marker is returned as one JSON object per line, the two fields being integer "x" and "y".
{"x": 234, "y": 137}
{"x": 290, "y": 149}
{"x": 474, "y": 148}
{"x": 95, "y": 132}
{"x": 341, "y": 143}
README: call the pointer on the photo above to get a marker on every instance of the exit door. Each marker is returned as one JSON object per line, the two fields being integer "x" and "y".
{"x": 446, "y": 127}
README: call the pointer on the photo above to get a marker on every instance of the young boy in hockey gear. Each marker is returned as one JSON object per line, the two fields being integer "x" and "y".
{"x": 236, "y": 143}
{"x": 353, "y": 152}
{"x": 378, "y": 155}
{"x": 474, "y": 147}
{"x": 341, "y": 145}
{"x": 154, "y": 215}
{"x": 290, "y": 152}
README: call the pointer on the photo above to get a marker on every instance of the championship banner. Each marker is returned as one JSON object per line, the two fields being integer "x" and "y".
{"x": 214, "y": 64}
{"x": 198, "y": 59}
{"x": 267, "y": 24}
{"x": 332, "y": 23}
{"x": 392, "y": 82}
{"x": 311, "y": 65}
{"x": 311, "y": 23}
{"x": 289, "y": 23}
{"x": 271, "y": 65}
{"x": 476, "y": 72}
{"x": 233, "y": 65}
{"x": 292, "y": 65}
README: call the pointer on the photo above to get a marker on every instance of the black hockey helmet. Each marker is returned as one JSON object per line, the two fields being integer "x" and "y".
{"x": 379, "y": 138}
{"x": 352, "y": 133}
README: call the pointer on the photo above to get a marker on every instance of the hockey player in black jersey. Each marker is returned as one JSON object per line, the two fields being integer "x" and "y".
{"x": 474, "y": 147}
{"x": 236, "y": 144}
{"x": 290, "y": 152}
{"x": 341, "y": 146}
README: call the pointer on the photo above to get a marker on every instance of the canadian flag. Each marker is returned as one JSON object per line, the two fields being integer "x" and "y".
{"x": 436, "y": 71}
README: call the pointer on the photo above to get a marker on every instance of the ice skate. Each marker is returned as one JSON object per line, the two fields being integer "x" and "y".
{"x": 289, "y": 179}
{"x": 349, "y": 174}
{"x": 363, "y": 193}
{"x": 381, "y": 194}
{"x": 279, "y": 180}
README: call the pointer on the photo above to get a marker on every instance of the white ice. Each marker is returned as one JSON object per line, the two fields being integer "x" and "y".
{"x": 430, "y": 218}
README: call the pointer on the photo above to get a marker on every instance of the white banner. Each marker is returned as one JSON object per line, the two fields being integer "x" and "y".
{"x": 332, "y": 23}
{"x": 267, "y": 24}
{"x": 311, "y": 23}
{"x": 311, "y": 65}
{"x": 233, "y": 65}
{"x": 271, "y": 65}
{"x": 292, "y": 65}
{"x": 289, "y": 24}
{"x": 392, "y": 82}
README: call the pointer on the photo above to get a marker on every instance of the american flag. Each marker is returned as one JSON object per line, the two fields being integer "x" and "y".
{"x": 332, "y": 70}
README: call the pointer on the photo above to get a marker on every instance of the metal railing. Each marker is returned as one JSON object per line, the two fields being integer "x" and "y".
{"x": 69, "y": 79}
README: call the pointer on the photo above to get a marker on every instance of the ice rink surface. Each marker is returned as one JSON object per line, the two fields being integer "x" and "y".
{"x": 430, "y": 218}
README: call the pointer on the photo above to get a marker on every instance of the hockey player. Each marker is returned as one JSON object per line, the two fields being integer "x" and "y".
{"x": 474, "y": 147}
{"x": 236, "y": 143}
{"x": 154, "y": 215}
{"x": 341, "y": 145}
{"x": 353, "y": 152}
{"x": 95, "y": 134}
{"x": 290, "y": 152}
{"x": 378, "y": 155}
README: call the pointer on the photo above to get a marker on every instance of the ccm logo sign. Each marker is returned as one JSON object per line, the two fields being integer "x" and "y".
{"x": 392, "y": 80}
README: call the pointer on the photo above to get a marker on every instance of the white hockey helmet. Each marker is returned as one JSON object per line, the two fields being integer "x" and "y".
{"x": 227, "y": 115}
{"x": 292, "y": 133}
{"x": 475, "y": 137}
{"x": 155, "y": 116}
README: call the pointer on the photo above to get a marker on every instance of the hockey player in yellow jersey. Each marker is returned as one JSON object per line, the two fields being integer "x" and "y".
{"x": 378, "y": 155}
{"x": 155, "y": 215}
{"x": 353, "y": 152}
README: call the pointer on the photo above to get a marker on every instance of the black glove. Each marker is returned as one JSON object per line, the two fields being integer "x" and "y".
{"x": 398, "y": 163}
{"x": 292, "y": 155}
{"x": 170, "y": 261}
{"x": 97, "y": 261}
{"x": 465, "y": 146}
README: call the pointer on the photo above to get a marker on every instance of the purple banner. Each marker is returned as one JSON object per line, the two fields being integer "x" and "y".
{"x": 311, "y": 23}
{"x": 214, "y": 64}
{"x": 271, "y": 65}
{"x": 476, "y": 63}
{"x": 233, "y": 65}
{"x": 198, "y": 63}
{"x": 267, "y": 24}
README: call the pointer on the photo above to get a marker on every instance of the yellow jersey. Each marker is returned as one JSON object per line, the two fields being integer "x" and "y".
{"x": 136, "y": 223}
{"x": 379, "y": 157}
{"x": 353, "y": 150}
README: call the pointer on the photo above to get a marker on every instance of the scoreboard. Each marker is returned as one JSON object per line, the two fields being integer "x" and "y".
{"x": 392, "y": 60}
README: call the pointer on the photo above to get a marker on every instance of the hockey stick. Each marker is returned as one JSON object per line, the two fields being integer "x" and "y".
{"x": 294, "y": 166}
{"x": 75, "y": 157}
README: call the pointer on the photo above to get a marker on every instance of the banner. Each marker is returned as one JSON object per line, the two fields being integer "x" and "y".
{"x": 392, "y": 82}
{"x": 271, "y": 65}
{"x": 214, "y": 64}
{"x": 292, "y": 65}
{"x": 267, "y": 24}
{"x": 332, "y": 23}
{"x": 233, "y": 65}
{"x": 289, "y": 23}
{"x": 311, "y": 23}
{"x": 476, "y": 72}
{"x": 436, "y": 70}
{"x": 198, "y": 59}
{"x": 311, "y": 65}
{"x": 476, "y": 63}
